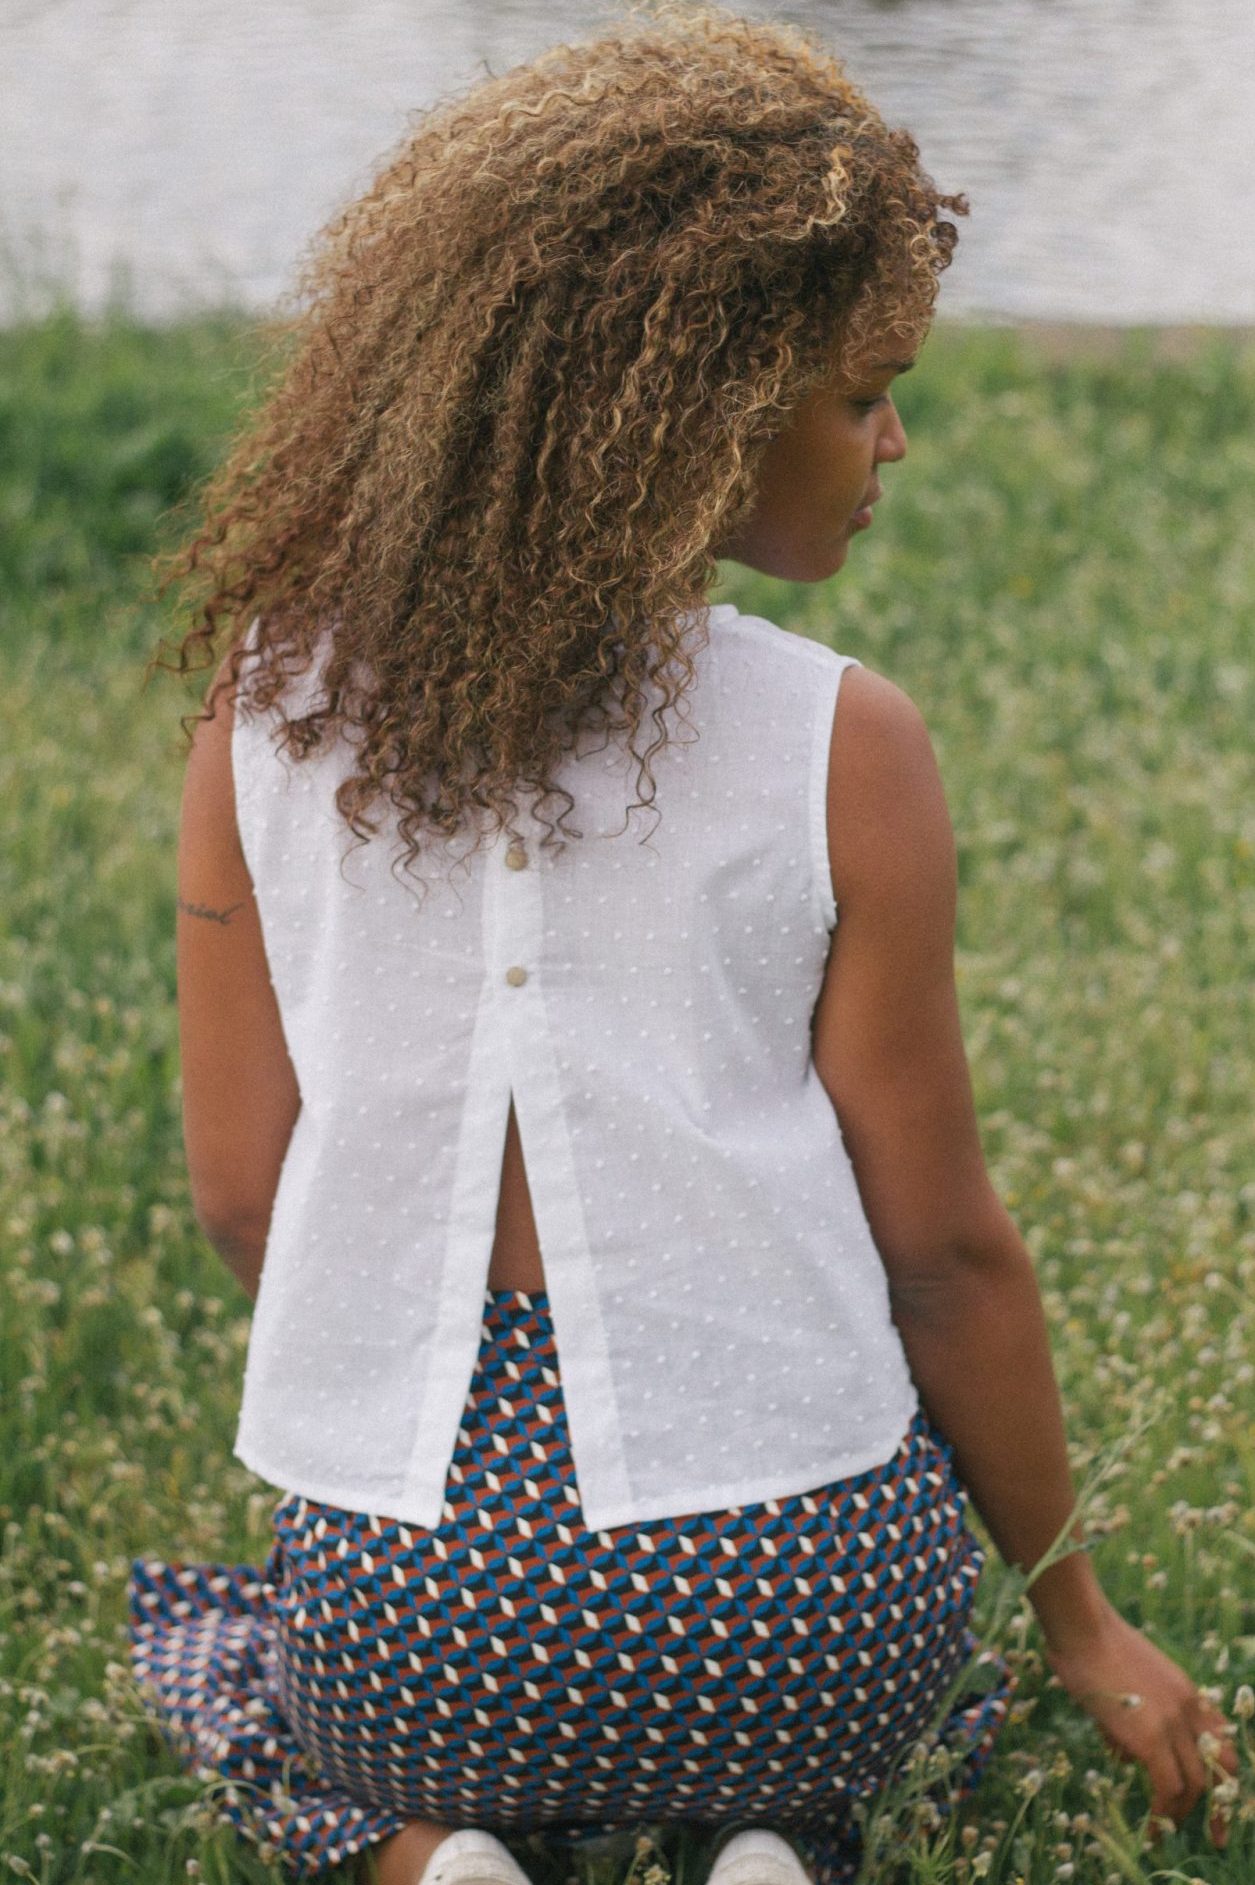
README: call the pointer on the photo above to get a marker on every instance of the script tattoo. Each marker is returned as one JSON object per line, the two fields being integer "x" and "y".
{"x": 201, "y": 909}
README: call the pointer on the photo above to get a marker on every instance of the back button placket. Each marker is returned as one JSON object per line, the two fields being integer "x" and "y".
{"x": 515, "y": 912}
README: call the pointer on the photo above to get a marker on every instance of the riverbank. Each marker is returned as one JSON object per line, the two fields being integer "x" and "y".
{"x": 1059, "y": 341}
{"x": 1062, "y": 575}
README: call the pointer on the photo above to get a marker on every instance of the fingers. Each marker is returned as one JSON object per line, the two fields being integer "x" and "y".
{"x": 1218, "y": 1830}
{"x": 1165, "y": 1722}
{"x": 1193, "y": 1770}
{"x": 1220, "y": 1758}
{"x": 1189, "y": 1764}
{"x": 1170, "y": 1795}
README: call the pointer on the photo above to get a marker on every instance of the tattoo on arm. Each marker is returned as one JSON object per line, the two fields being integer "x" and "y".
{"x": 202, "y": 909}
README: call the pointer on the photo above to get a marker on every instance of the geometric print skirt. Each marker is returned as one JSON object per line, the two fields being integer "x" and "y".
{"x": 763, "y": 1664}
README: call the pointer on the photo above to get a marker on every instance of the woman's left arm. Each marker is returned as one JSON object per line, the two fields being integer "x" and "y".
{"x": 240, "y": 1093}
{"x": 888, "y": 1047}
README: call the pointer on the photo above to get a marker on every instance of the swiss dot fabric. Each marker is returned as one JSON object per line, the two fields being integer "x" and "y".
{"x": 515, "y": 1670}
{"x": 646, "y": 995}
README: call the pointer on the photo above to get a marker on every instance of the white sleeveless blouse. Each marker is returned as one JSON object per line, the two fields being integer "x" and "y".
{"x": 720, "y": 1309}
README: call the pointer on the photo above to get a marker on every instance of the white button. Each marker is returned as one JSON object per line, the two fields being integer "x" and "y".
{"x": 516, "y": 976}
{"x": 516, "y": 857}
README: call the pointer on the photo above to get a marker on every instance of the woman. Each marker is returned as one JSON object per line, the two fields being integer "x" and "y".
{"x": 633, "y": 1306}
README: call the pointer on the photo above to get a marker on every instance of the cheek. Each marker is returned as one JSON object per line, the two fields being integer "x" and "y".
{"x": 848, "y": 458}
{"x": 844, "y": 482}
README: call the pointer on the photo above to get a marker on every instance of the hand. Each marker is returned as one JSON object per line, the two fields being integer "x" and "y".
{"x": 1149, "y": 1710}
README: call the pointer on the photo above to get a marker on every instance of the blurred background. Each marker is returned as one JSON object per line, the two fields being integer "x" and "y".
{"x": 180, "y": 156}
{"x": 1062, "y": 576}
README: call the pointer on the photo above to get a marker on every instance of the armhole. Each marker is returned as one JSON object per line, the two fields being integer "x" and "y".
{"x": 821, "y": 749}
{"x": 244, "y": 736}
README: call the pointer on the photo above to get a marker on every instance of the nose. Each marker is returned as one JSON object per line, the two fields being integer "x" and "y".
{"x": 891, "y": 446}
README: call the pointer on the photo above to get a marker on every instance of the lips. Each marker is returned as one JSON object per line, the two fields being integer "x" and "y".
{"x": 863, "y": 515}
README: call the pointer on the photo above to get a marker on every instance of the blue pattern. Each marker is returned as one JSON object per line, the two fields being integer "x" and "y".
{"x": 766, "y": 1663}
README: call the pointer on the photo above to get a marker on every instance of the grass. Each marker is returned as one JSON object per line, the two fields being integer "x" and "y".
{"x": 1062, "y": 577}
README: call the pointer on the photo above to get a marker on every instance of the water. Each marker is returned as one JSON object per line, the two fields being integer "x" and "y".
{"x": 184, "y": 155}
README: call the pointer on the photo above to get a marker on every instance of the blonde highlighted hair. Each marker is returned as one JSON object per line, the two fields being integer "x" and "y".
{"x": 526, "y": 395}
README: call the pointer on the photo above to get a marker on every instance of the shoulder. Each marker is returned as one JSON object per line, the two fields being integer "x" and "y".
{"x": 877, "y": 724}
{"x": 888, "y": 821}
{"x": 227, "y": 710}
{"x": 209, "y": 757}
{"x": 783, "y": 663}
{"x": 770, "y": 644}
{"x": 209, "y": 835}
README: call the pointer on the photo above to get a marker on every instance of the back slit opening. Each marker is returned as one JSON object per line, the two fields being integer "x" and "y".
{"x": 511, "y": 1293}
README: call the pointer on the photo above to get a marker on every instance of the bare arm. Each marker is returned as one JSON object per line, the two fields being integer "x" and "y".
{"x": 888, "y": 1047}
{"x": 240, "y": 1093}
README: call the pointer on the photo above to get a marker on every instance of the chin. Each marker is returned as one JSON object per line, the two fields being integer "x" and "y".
{"x": 818, "y": 568}
{"x": 828, "y": 556}
{"x": 803, "y": 566}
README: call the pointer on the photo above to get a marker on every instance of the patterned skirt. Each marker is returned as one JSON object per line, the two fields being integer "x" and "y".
{"x": 765, "y": 1664}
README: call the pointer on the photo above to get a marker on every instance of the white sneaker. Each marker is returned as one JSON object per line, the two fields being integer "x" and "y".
{"x": 758, "y": 1857}
{"x": 470, "y": 1856}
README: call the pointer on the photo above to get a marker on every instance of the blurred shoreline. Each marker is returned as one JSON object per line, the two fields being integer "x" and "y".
{"x": 196, "y": 153}
{"x": 1090, "y": 340}
{"x": 1050, "y": 341}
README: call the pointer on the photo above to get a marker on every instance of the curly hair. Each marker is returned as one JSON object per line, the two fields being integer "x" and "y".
{"x": 539, "y": 360}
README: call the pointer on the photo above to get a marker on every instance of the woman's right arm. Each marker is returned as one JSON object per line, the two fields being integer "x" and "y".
{"x": 888, "y": 1047}
{"x": 240, "y": 1093}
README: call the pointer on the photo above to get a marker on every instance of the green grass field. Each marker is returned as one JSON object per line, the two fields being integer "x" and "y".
{"x": 1063, "y": 577}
